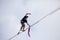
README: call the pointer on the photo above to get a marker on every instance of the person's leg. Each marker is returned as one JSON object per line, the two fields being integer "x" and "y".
{"x": 20, "y": 30}
{"x": 22, "y": 27}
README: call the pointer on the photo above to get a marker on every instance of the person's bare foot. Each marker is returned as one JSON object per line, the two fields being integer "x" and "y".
{"x": 23, "y": 30}
{"x": 18, "y": 32}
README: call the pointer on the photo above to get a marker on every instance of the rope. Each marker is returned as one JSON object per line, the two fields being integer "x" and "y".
{"x": 45, "y": 17}
{"x": 36, "y": 22}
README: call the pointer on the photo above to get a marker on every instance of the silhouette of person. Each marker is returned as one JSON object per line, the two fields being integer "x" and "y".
{"x": 23, "y": 21}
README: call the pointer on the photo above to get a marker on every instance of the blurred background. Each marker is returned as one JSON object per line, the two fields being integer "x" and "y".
{"x": 12, "y": 11}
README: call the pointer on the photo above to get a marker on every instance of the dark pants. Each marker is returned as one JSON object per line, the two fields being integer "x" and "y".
{"x": 23, "y": 26}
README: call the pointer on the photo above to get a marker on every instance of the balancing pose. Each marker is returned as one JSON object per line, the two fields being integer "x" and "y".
{"x": 23, "y": 21}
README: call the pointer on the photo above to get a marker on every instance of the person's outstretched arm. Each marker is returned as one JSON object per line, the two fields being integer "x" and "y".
{"x": 28, "y": 24}
{"x": 28, "y": 14}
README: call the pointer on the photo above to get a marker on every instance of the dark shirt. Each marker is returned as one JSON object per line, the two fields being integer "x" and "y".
{"x": 24, "y": 20}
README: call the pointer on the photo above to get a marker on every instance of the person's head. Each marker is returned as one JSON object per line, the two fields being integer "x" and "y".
{"x": 26, "y": 16}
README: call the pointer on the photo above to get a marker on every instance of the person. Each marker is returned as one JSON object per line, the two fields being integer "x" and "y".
{"x": 23, "y": 21}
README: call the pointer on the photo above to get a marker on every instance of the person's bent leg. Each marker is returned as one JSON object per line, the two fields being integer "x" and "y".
{"x": 23, "y": 27}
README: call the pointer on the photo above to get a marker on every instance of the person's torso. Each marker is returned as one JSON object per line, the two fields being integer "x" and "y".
{"x": 24, "y": 19}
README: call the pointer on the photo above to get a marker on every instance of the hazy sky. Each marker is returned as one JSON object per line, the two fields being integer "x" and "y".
{"x": 12, "y": 11}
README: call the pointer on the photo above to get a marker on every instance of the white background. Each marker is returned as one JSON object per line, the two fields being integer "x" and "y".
{"x": 12, "y": 11}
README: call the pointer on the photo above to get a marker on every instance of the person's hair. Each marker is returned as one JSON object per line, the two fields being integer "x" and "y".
{"x": 26, "y": 16}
